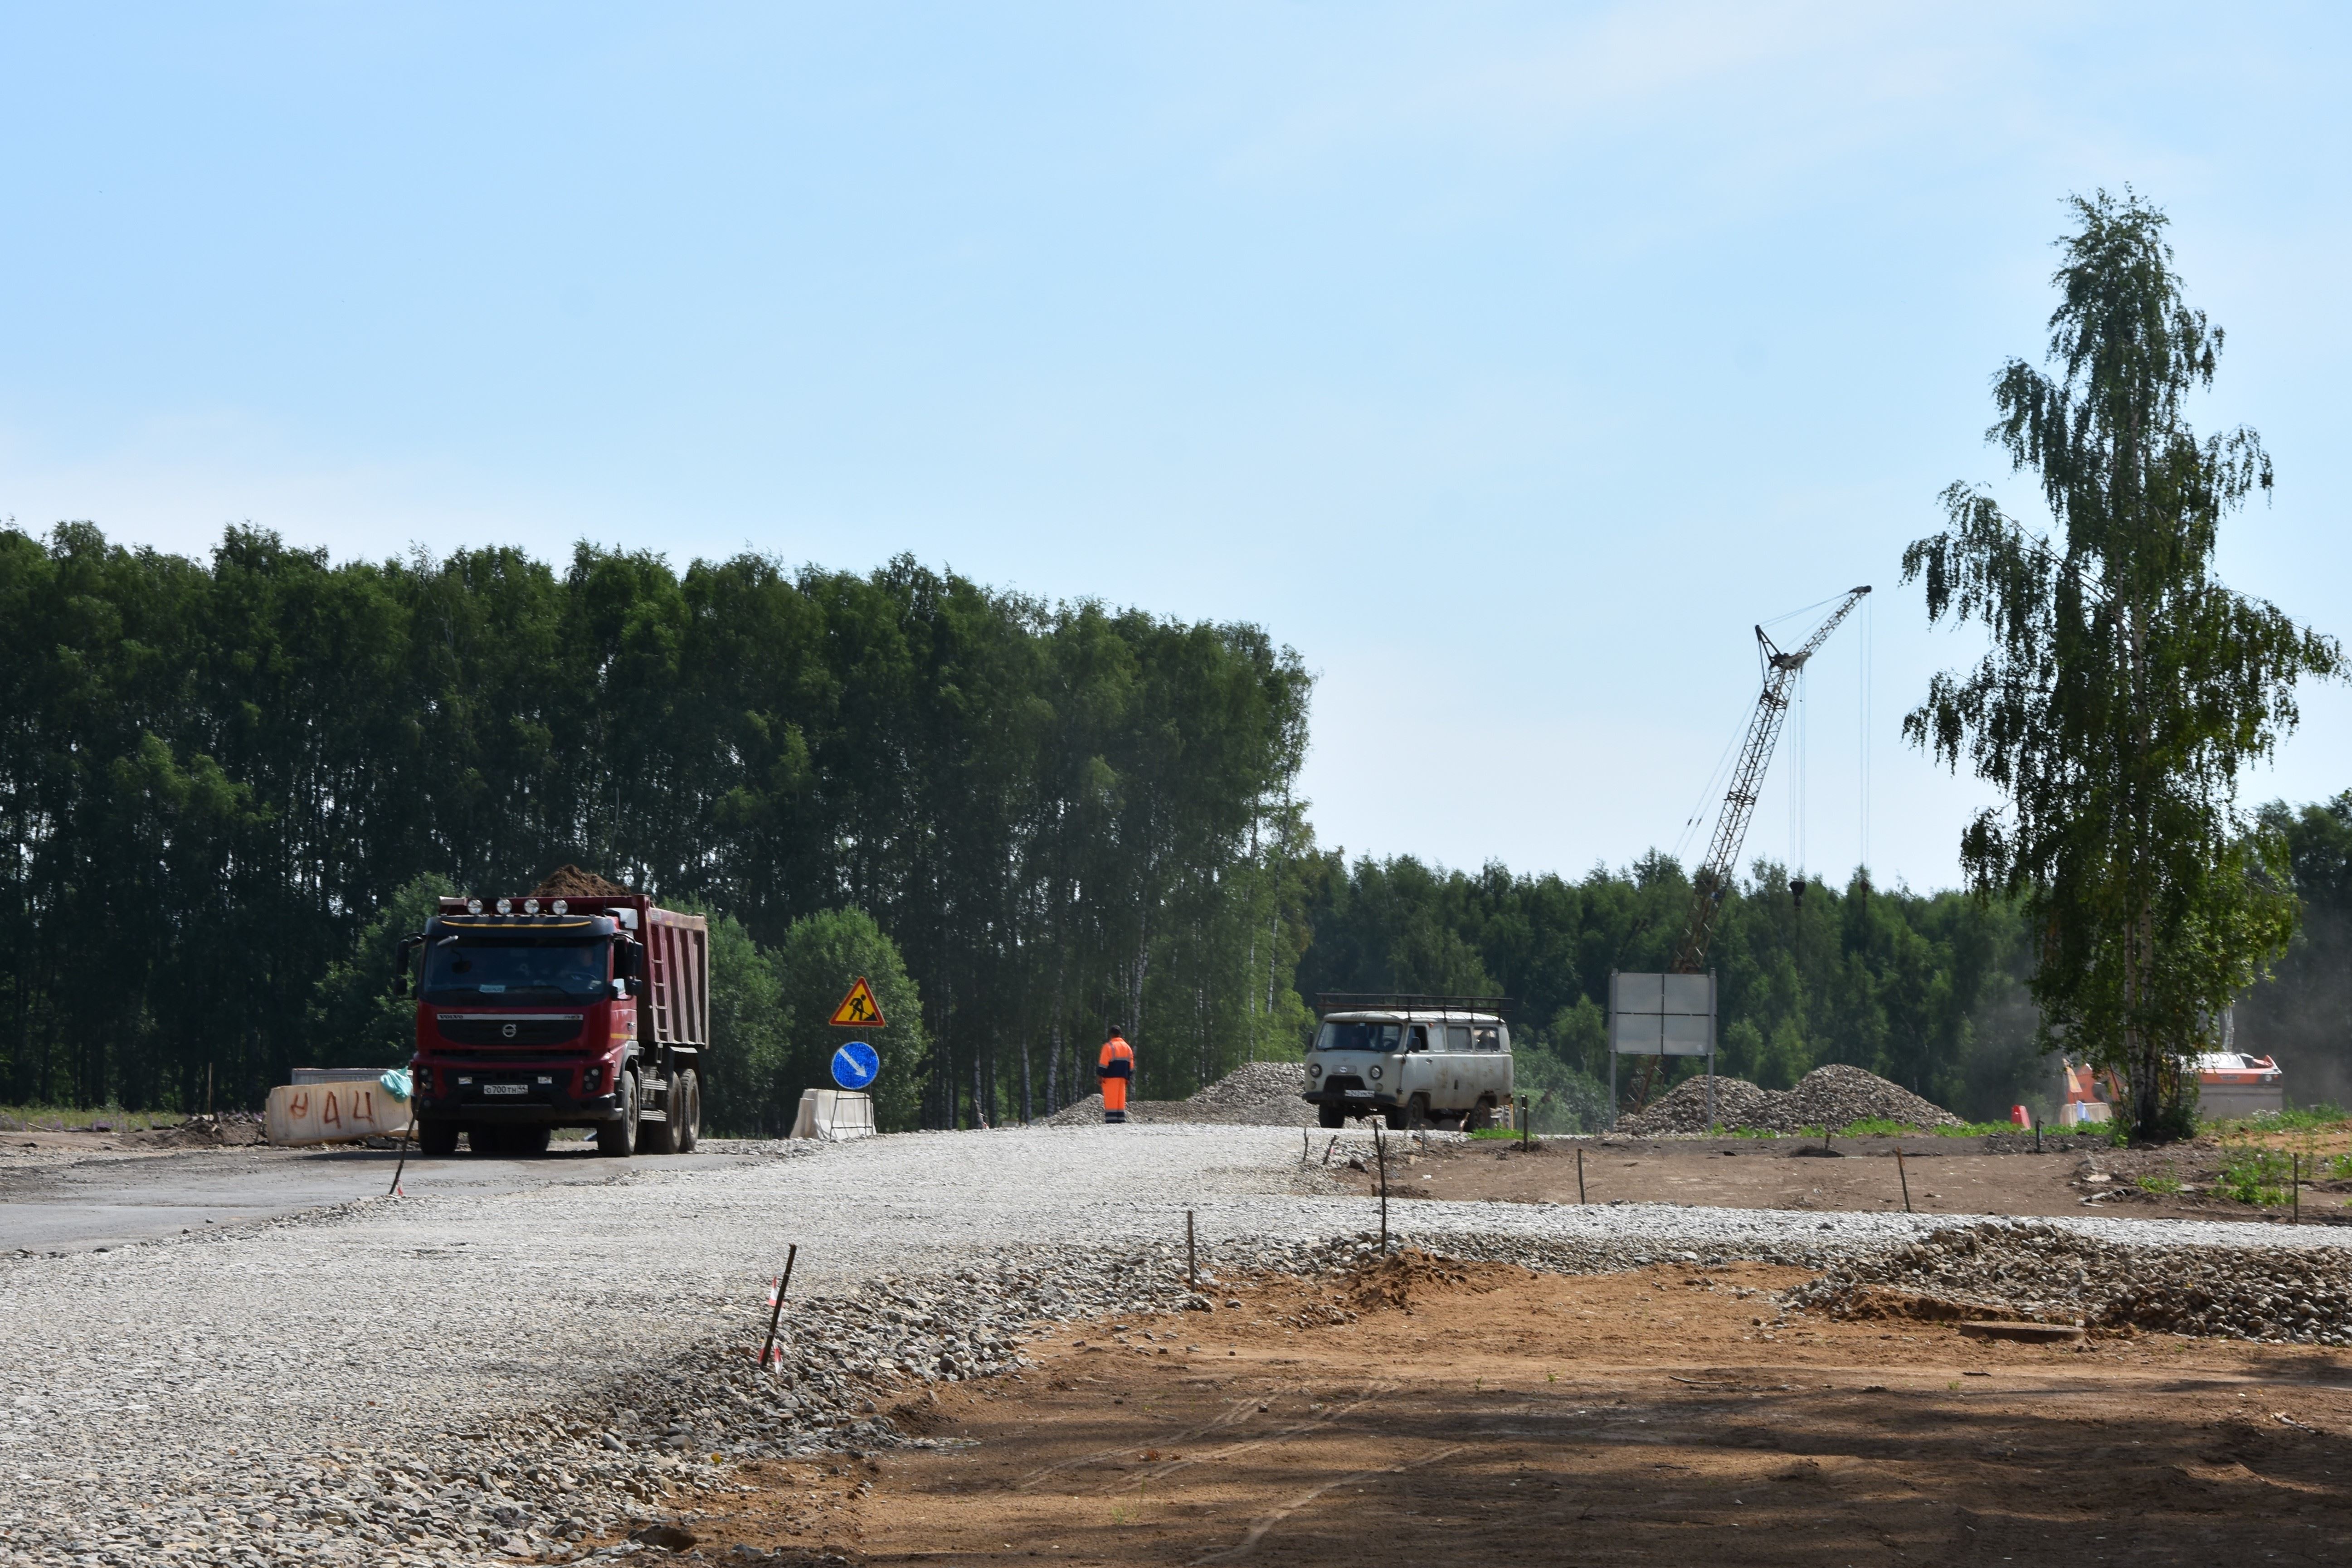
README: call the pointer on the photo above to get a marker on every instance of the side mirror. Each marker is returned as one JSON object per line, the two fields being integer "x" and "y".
{"x": 400, "y": 971}
{"x": 628, "y": 961}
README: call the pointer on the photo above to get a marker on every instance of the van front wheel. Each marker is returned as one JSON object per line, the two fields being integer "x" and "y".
{"x": 1330, "y": 1116}
{"x": 1416, "y": 1112}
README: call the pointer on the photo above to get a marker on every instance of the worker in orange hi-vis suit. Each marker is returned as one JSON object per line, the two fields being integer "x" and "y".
{"x": 1116, "y": 1067}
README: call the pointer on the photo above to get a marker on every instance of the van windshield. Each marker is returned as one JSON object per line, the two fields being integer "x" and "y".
{"x": 472, "y": 970}
{"x": 1359, "y": 1037}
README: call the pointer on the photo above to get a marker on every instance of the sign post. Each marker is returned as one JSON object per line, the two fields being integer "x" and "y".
{"x": 1662, "y": 1015}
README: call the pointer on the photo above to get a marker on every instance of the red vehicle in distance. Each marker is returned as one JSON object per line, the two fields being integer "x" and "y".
{"x": 534, "y": 1013}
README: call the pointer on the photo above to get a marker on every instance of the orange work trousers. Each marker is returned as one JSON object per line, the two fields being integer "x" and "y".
{"x": 1114, "y": 1093}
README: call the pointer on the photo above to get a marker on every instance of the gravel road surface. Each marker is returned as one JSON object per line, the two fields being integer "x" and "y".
{"x": 105, "y": 1202}
{"x": 493, "y": 1365}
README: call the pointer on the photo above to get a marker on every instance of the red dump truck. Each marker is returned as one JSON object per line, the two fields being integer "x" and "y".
{"x": 534, "y": 1013}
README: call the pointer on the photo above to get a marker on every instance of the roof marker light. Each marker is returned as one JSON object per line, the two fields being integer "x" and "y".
{"x": 472, "y": 906}
{"x": 530, "y": 906}
{"x": 505, "y": 907}
{"x": 558, "y": 906}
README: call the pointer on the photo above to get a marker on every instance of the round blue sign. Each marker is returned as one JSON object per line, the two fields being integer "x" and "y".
{"x": 855, "y": 1065}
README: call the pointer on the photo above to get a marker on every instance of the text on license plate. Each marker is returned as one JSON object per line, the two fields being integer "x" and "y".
{"x": 1357, "y": 1093}
{"x": 504, "y": 1088}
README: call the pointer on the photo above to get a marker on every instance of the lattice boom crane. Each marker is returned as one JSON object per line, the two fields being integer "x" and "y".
{"x": 1714, "y": 877}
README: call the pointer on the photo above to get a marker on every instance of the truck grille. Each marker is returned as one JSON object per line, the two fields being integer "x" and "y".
{"x": 511, "y": 1028}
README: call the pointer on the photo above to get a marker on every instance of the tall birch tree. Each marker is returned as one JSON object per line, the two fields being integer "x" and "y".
{"x": 2127, "y": 688}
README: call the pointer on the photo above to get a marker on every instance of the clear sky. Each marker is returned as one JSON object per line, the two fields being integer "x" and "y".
{"x": 1509, "y": 362}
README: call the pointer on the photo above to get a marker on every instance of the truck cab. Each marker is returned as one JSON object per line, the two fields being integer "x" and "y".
{"x": 1420, "y": 1062}
{"x": 534, "y": 1014}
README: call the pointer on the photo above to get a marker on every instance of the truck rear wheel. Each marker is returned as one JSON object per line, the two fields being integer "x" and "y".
{"x": 437, "y": 1138}
{"x": 661, "y": 1137}
{"x": 528, "y": 1140}
{"x": 618, "y": 1140}
{"x": 689, "y": 1093}
{"x": 1480, "y": 1116}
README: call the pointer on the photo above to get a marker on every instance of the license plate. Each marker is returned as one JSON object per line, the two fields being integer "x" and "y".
{"x": 1357, "y": 1093}
{"x": 505, "y": 1088}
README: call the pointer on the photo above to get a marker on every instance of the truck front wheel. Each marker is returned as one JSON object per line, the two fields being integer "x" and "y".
{"x": 618, "y": 1140}
{"x": 661, "y": 1137}
{"x": 437, "y": 1139}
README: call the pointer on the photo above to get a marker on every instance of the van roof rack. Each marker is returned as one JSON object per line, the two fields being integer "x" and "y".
{"x": 1357, "y": 1001}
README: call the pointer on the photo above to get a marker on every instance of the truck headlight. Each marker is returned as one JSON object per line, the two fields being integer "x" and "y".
{"x": 1375, "y": 1074}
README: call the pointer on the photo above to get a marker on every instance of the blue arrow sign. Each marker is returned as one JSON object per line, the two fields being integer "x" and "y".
{"x": 855, "y": 1065}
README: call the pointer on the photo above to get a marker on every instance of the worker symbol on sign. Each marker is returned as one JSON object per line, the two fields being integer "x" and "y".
{"x": 858, "y": 1009}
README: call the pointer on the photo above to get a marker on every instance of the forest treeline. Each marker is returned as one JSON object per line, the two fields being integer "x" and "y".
{"x": 229, "y": 785}
{"x": 213, "y": 774}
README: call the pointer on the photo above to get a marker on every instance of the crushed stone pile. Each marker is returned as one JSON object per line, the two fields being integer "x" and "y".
{"x": 1833, "y": 1096}
{"x": 1256, "y": 1094}
{"x": 2043, "y": 1272}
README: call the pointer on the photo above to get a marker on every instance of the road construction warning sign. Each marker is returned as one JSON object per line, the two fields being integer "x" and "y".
{"x": 858, "y": 1009}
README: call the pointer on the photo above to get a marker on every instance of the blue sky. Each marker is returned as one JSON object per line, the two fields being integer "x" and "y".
{"x": 1508, "y": 361}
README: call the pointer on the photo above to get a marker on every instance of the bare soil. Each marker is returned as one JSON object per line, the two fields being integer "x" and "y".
{"x": 1425, "y": 1411}
{"x": 1946, "y": 1176}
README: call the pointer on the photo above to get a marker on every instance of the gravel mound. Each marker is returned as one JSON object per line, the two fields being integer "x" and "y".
{"x": 2041, "y": 1271}
{"x": 1255, "y": 1095}
{"x": 1833, "y": 1096}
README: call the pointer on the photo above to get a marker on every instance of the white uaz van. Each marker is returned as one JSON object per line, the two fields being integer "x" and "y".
{"x": 1420, "y": 1064}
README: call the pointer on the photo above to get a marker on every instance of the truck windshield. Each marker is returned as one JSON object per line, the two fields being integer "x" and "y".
{"x": 1359, "y": 1037}
{"x": 470, "y": 970}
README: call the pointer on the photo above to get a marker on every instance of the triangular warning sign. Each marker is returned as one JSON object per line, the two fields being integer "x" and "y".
{"x": 858, "y": 1009}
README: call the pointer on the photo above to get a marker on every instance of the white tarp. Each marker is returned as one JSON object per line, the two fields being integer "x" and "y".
{"x": 334, "y": 1114}
{"x": 833, "y": 1113}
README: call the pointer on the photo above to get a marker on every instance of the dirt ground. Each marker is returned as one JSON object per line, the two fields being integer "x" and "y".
{"x": 1947, "y": 1175}
{"x": 1478, "y": 1412}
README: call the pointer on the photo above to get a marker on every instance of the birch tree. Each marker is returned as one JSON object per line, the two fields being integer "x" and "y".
{"x": 2127, "y": 688}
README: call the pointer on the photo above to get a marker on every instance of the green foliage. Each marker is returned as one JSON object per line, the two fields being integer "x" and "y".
{"x": 746, "y": 1090}
{"x": 1924, "y": 989}
{"x": 2293, "y": 1119}
{"x": 215, "y": 775}
{"x": 2256, "y": 1175}
{"x": 1565, "y": 1099}
{"x": 355, "y": 1019}
{"x": 2163, "y": 1184}
{"x": 2126, "y": 687}
{"x": 815, "y": 963}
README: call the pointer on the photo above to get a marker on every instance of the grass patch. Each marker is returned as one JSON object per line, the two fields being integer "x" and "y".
{"x": 1511, "y": 1133}
{"x": 2322, "y": 1117}
{"x": 2163, "y": 1186}
{"x": 2257, "y": 1177}
{"x": 67, "y": 1119}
